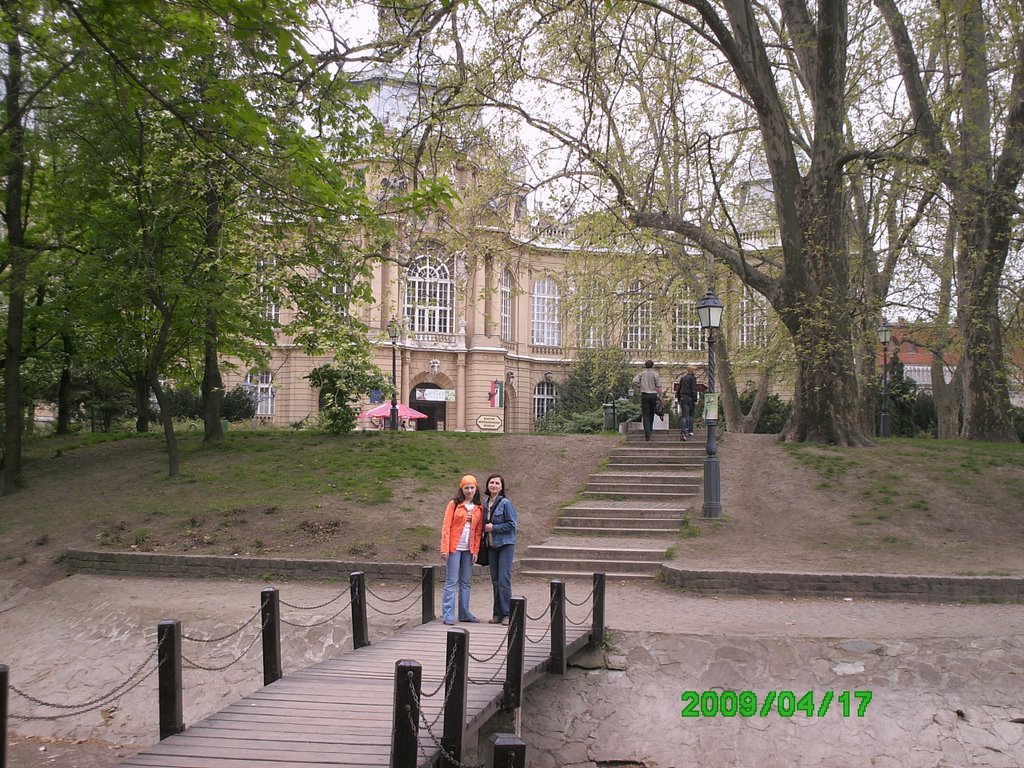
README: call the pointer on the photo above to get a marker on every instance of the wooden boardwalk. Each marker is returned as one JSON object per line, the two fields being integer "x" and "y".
{"x": 339, "y": 712}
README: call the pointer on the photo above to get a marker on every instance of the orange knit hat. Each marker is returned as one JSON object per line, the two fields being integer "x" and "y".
{"x": 468, "y": 480}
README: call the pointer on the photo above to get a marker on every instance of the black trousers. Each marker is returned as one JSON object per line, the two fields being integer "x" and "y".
{"x": 648, "y": 402}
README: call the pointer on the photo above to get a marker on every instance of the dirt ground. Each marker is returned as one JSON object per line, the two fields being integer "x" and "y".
{"x": 779, "y": 514}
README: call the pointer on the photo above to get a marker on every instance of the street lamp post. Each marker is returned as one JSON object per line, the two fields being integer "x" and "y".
{"x": 710, "y": 310}
{"x": 393, "y": 333}
{"x": 884, "y": 334}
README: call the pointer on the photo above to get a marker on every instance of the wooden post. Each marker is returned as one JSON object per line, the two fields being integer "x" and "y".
{"x": 270, "y": 611}
{"x": 427, "y": 582}
{"x": 597, "y": 627}
{"x": 504, "y": 750}
{"x": 4, "y": 672}
{"x": 168, "y": 655}
{"x": 557, "y": 660}
{"x": 512, "y": 694}
{"x": 456, "y": 683}
{"x": 357, "y": 588}
{"x": 405, "y": 723}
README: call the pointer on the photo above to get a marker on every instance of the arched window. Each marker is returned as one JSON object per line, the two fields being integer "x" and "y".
{"x": 506, "y": 305}
{"x": 429, "y": 292}
{"x": 543, "y": 399}
{"x": 545, "y": 328}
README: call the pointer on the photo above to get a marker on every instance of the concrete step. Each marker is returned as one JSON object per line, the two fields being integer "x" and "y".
{"x": 619, "y": 532}
{"x": 559, "y": 574}
{"x": 623, "y": 513}
{"x": 637, "y": 523}
{"x": 552, "y": 552}
{"x": 665, "y": 436}
{"x": 640, "y": 496}
{"x": 651, "y": 457}
{"x": 588, "y": 566}
{"x": 600, "y": 484}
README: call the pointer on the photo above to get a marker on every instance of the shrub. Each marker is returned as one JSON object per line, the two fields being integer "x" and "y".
{"x": 238, "y": 405}
{"x": 773, "y": 417}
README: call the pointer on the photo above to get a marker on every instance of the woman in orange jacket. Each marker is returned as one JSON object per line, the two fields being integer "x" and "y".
{"x": 460, "y": 544}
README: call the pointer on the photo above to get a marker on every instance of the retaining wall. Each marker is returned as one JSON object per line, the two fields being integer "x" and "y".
{"x": 892, "y": 586}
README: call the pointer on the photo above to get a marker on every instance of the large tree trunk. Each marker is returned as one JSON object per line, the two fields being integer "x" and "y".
{"x": 14, "y": 220}
{"x": 735, "y": 419}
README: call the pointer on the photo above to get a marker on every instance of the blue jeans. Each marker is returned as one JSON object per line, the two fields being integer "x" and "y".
{"x": 458, "y": 568}
{"x": 501, "y": 578}
{"x": 686, "y": 421}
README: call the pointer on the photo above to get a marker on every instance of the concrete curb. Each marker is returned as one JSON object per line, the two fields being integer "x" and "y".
{"x": 873, "y": 585}
{"x": 221, "y": 566}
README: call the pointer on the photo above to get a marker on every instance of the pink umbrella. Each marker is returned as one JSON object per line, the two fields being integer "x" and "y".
{"x": 383, "y": 411}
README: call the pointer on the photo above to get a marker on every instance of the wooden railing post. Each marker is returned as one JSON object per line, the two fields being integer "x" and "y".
{"x": 513, "y": 690}
{"x": 504, "y": 750}
{"x": 4, "y": 672}
{"x": 357, "y": 588}
{"x": 557, "y": 661}
{"x": 270, "y": 612}
{"x": 405, "y": 723}
{"x": 597, "y": 626}
{"x": 456, "y": 699}
{"x": 427, "y": 583}
{"x": 168, "y": 656}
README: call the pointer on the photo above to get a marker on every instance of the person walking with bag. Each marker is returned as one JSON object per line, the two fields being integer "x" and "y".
{"x": 686, "y": 394}
{"x": 460, "y": 544}
{"x": 650, "y": 395}
{"x": 500, "y": 534}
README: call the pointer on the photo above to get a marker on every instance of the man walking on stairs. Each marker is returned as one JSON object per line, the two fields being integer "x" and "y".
{"x": 650, "y": 392}
{"x": 686, "y": 394}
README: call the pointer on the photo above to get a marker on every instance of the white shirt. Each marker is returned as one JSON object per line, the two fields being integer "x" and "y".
{"x": 463, "y": 545}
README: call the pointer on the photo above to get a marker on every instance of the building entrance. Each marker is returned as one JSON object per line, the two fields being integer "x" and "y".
{"x": 429, "y": 399}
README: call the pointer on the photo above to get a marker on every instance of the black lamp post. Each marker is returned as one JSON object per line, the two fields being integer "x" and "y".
{"x": 884, "y": 334}
{"x": 393, "y": 333}
{"x": 710, "y": 310}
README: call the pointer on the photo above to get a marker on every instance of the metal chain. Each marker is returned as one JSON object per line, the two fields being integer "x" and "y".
{"x": 318, "y": 623}
{"x": 582, "y": 621}
{"x": 231, "y": 663}
{"x": 541, "y": 638}
{"x": 543, "y": 613}
{"x": 583, "y": 601}
{"x": 447, "y": 671}
{"x": 493, "y": 678}
{"x": 223, "y": 637}
{"x": 496, "y": 650}
{"x": 88, "y": 706}
{"x": 417, "y": 588}
{"x": 437, "y": 742}
{"x": 311, "y": 607}
{"x": 392, "y": 613}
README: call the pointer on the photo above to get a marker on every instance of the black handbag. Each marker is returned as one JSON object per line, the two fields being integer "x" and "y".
{"x": 483, "y": 556}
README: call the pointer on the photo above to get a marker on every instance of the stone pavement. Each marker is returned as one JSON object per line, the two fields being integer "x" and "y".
{"x": 947, "y": 680}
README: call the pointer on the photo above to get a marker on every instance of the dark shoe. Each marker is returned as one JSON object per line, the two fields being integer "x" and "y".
{"x": 647, "y": 438}
{"x": 682, "y": 437}
{"x": 495, "y": 620}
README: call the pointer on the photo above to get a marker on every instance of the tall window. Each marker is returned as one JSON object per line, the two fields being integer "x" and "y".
{"x": 593, "y": 325}
{"x": 686, "y": 324}
{"x": 753, "y": 319}
{"x": 263, "y": 393}
{"x": 506, "y": 305}
{"x": 638, "y": 324}
{"x": 264, "y": 273}
{"x": 546, "y": 330}
{"x": 428, "y": 297}
{"x": 543, "y": 399}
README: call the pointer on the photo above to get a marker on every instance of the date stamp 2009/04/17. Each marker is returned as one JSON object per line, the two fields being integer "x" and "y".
{"x": 783, "y": 703}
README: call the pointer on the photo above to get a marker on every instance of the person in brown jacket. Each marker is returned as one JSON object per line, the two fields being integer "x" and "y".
{"x": 460, "y": 545}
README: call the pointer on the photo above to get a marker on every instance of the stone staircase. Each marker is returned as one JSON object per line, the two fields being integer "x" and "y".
{"x": 629, "y": 512}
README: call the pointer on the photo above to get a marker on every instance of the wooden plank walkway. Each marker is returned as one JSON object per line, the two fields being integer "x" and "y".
{"x": 339, "y": 712}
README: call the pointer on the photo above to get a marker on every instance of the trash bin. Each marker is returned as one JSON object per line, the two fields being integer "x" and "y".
{"x": 609, "y": 415}
{"x": 224, "y": 424}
